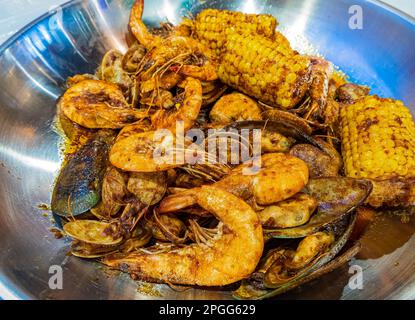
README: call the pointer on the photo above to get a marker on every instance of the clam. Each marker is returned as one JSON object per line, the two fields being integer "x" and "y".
{"x": 139, "y": 238}
{"x": 336, "y": 198}
{"x": 100, "y": 211}
{"x": 91, "y": 231}
{"x": 78, "y": 186}
{"x": 114, "y": 190}
{"x": 132, "y": 58}
{"x": 90, "y": 238}
{"x": 111, "y": 70}
{"x": 167, "y": 228}
{"x": 148, "y": 187}
{"x": 91, "y": 251}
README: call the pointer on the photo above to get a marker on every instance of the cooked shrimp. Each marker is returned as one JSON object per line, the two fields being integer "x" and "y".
{"x": 138, "y": 153}
{"x": 155, "y": 91}
{"x": 159, "y": 98}
{"x": 139, "y": 29}
{"x": 167, "y": 81}
{"x": 182, "y": 55}
{"x": 227, "y": 257}
{"x": 321, "y": 72}
{"x": 235, "y": 107}
{"x": 206, "y": 72}
{"x": 185, "y": 55}
{"x": 280, "y": 177}
{"x": 137, "y": 127}
{"x": 154, "y": 151}
{"x": 71, "y": 81}
{"x": 98, "y": 104}
{"x": 186, "y": 111}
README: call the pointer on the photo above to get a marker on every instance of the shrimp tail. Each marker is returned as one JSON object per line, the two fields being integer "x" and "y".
{"x": 205, "y": 73}
{"x": 138, "y": 27}
{"x": 187, "y": 112}
{"x": 177, "y": 201}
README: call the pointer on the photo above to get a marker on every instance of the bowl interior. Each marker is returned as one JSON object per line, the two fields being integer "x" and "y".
{"x": 34, "y": 66}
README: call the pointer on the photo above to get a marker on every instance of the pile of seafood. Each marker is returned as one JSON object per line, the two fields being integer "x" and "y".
{"x": 329, "y": 153}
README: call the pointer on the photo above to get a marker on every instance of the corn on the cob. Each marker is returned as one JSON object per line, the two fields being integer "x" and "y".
{"x": 266, "y": 69}
{"x": 213, "y": 25}
{"x": 378, "y": 139}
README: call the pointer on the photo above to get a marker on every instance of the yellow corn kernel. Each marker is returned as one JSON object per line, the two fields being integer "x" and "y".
{"x": 222, "y": 22}
{"x": 378, "y": 139}
{"x": 281, "y": 82}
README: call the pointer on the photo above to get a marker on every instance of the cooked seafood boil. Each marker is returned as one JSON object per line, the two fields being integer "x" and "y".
{"x": 212, "y": 153}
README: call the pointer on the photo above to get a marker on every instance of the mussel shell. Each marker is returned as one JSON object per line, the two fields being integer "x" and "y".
{"x": 250, "y": 292}
{"x": 58, "y": 221}
{"x": 280, "y": 115}
{"x": 337, "y": 196}
{"x": 323, "y": 264}
{"x": 78, "y": 186}
{"x": 319, "y": 261}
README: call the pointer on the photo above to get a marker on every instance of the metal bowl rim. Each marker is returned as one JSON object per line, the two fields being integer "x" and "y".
{"x": 3, "y": 47}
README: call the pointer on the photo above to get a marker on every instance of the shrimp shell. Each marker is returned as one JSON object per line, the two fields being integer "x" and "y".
{"x": 231, "y": 256}
{"x": 98, "y": 104}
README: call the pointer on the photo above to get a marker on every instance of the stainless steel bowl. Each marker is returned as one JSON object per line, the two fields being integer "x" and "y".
{"x": 33, "y": 67}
